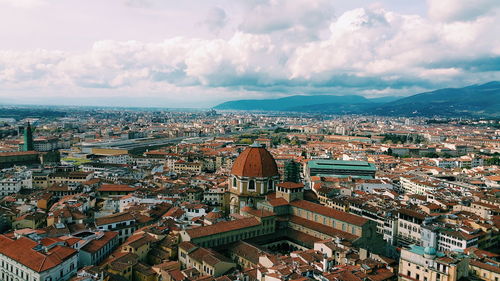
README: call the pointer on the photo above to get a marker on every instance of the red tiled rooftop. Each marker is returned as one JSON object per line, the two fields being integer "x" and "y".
{"x": 222, "y": 227}
{"x": 291, "y": 185}
{"x": 116, "y": 187}
{"x": 97, "y": 244}
{"x": 329, "y": 212}
{"x": 255, "y": 162}
{"x": 22, "y": 251}
{"x": 323, "y": 228}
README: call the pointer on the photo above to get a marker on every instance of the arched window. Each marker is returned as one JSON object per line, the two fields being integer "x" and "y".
{"x": 234, "y": 182}
{"x": 251, "y": 185}
{"x": 270, "y": 185}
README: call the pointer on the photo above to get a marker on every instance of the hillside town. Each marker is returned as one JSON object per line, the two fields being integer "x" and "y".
{"x": 113, "y": 195}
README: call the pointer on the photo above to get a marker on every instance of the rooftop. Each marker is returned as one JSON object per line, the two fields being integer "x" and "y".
{"x": 222, "y": 227}
{"x": 341, "y": 165}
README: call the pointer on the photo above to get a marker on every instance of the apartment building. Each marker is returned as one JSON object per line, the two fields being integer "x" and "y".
{"x": 427, "y": 264}
{"x": 123, "y": 223}
{"x": 26, "y": 259}
{"x": 206, "y": 261}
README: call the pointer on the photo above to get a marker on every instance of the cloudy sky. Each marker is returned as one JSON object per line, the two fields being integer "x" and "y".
{"x": 188, "y": 53}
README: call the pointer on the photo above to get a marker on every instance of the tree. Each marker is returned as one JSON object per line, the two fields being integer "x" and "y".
{"x": 493, "y": 161}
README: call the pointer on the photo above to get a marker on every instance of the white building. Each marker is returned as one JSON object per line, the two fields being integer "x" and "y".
{"x": 419, "y": 263}
{"x": 25, "y": 259}
{"x": 417, "y": 186}
{"x": 123, "y": 223}
{"x": 13, "y": 183}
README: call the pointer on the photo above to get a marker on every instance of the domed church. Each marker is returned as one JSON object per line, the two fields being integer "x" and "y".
{"x": 253, "y": 175}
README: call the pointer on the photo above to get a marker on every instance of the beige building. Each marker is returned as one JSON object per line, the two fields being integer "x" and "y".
{"x": 206, "y": 261}
{"x": 231, "y": 231}
{"x": 426, "y": 264}
{"x": 187, "y": 167}
{"x": 485, "y": 271}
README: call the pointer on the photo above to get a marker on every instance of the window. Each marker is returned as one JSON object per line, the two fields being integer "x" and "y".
{"x": 251, "y": 185}
{"x": 270, "y": 185}
{"x": 234, "y": 182}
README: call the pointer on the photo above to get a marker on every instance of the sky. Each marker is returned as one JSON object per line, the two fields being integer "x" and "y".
{"x": 171, "y": 53}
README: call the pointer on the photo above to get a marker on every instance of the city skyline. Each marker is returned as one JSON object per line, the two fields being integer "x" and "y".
{"x": 166, "y": 54}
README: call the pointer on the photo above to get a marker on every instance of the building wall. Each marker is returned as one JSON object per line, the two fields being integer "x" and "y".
{"x": 12, "y": 270}
{"x": 334, "y": 223}
{"x": 484, "y": 274}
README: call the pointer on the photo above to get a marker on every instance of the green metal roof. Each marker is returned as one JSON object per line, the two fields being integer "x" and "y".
{"x": 344, "y": 176}
{"x": 341, "y": 165}
{"x": 419, "y": 250}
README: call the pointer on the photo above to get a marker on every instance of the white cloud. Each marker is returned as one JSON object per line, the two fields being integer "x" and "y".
{"x": 367, "y": 50}
{"x": 377, "y": 43}
{"x": 460, "y": 10}
{"x": 24, "y": 3}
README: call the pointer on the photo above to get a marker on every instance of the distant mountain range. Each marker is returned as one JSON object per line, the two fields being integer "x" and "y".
{"x": 475, "y": 100}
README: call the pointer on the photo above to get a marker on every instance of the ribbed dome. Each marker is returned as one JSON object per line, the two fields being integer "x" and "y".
{"x": 255, "y": 161}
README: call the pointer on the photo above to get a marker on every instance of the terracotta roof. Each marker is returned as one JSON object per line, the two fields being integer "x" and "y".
{"x": 290, "y": 185}
{"x": 329, "y": 212}
{"x": 21, "y": 250}
{"x": 222, "y": 227}
{"x": 261, "y": 213}
{"x": 255, "y": 162}
{"x": 116, "y": 187}
{"x": 486, "y": 266}
{"x": 330, "y": 231}
{"x": 95, "y": 245}
{"x": 246, "y": 251}
{"x": 119, "y": 217}
{"x": 18, "y": 153}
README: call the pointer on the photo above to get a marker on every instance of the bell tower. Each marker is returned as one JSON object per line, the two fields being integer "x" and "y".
{"x": 28, "y": 138}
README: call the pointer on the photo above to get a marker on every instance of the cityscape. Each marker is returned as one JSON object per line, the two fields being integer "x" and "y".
{"x": 250, "y": 141}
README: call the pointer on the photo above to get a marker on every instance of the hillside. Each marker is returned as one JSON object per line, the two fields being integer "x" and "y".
{"x": 475, "y": 100}
{"x": 299, "y": 103}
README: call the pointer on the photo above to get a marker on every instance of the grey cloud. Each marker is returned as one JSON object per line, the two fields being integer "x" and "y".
{"x": 216, "y": 19}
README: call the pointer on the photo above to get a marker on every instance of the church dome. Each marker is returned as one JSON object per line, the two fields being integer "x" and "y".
{"x": 255, "y": 161}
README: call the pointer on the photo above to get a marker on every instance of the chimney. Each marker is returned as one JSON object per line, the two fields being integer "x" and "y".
{"x": 363, "y": 254}
{"x": 325, "y": 263}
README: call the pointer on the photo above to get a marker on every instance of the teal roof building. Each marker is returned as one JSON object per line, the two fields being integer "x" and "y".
{"x": 341, "y": 168}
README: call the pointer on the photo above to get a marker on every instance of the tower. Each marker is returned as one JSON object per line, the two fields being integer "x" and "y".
{"x": 292, "y": 172}
{"x": 253, "y": 175}
{"x": 28, "y": 138}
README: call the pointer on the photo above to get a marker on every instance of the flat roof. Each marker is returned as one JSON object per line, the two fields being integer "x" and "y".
{"x": 419, "y": 250}
{"x": 344, "y": 176}
{"x": 341, "y": 165}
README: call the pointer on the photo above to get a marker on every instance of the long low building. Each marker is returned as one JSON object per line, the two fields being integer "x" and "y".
{"x": 360, "y": 169}
{"x": 228, "y": 232}
{"x": 9, "y": 159}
